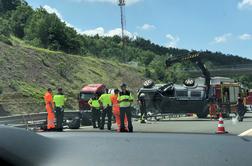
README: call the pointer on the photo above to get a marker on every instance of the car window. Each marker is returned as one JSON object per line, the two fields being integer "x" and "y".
{"x": 86, "y": 96}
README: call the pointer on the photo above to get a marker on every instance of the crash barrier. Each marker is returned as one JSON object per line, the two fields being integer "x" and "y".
{"x": 167, "y": 116}
{"x": 33, "y": 119}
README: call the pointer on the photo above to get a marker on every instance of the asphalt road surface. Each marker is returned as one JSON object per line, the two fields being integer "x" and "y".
{"x": 178, "y": 141}
{"x": 184, "y": 125}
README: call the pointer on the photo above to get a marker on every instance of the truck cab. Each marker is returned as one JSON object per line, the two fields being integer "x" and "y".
{"x": 88, "y": 92}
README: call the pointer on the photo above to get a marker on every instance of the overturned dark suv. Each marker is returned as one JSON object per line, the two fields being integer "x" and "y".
{"x": 173, "y": 98}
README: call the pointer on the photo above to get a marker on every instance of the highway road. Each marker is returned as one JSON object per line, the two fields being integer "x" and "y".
{"x": 191, "y": 125}
{"x": 179, "y": 141}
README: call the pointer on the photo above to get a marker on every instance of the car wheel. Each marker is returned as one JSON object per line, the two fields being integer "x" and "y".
{"x": 148, "y": 84}
{"x": 85, "y": 120}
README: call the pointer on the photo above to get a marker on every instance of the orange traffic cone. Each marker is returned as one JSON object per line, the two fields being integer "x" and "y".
{"x": 221, "y": 128}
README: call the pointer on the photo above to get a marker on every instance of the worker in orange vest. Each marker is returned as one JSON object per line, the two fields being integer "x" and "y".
{"x": 48, "y": 97}
{"x": 116, "y": 109}
{"x": 213, "y": 109}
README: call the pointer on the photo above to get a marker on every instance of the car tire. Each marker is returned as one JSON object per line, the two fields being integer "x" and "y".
{"x": 85, "y": 120}
{"x": 148, "y": 84}
{"x": 75, "y": 123}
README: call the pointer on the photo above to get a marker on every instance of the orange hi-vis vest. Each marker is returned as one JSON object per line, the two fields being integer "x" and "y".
{"x": 116, "y": 107}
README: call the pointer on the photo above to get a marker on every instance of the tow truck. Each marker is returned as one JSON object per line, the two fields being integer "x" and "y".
{"x": 194, "y": 95}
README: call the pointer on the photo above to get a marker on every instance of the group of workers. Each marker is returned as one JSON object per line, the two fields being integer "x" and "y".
{"x": 119, "y": 103}
{"x": 54, "y": 108}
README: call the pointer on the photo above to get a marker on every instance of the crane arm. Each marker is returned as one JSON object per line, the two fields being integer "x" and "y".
{"x": 195, "y": 58}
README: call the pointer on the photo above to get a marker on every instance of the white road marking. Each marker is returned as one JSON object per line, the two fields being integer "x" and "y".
{"x": 246, "y": 133}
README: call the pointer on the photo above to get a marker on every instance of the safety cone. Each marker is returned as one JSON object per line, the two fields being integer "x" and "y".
{"x": 221, "y": 128}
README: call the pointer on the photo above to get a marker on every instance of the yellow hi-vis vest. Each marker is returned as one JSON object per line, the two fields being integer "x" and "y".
{"x": 122, "y": 96}
{"x": 59, "y": 100}
{"x": 94, "y": 103}
{"x": 105, "y": 100}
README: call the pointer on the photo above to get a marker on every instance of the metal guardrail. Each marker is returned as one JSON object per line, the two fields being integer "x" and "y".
{"x": 33, "y": 118}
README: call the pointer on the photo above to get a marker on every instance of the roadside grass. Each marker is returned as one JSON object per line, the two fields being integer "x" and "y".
{"x": 22, "y": 63}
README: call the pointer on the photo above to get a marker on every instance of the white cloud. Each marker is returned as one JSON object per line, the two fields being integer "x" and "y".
{"x": 172, "y": 40}
{"x": 92, "y": 32}
{"x": 245, "y": 36}
{"x": 118, "y": 32}
{"x": 222, "y": 39}
{"x": 244, "y": 4}
{"x": 128, "y": 2}
{"x": 52, "y": 10}
{"x": 147, "y": 27}
{"x": 101, "y": 32}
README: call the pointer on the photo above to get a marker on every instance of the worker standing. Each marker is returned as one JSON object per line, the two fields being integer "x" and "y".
{"x": 95, "y": 108}
{"x": 49, "y": 109}
{"x": 125, "y": 100}
{"x": 142, "y": 104}
{"x": 116, "y": 109}
{"x": 212, "y": 108}
{"x": 59, "y": 101}
{"x": 106, "y": 106}
{"x": 240, "y": 108}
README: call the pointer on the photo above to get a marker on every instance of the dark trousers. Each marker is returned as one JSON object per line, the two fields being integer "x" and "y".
{"x": 143, "y": 112}
{"x": 107, "y": 111}
{"x": 241, "y": 111}
{"x": 127, "y": 111}
{"x": 59, "y": 117}
{"x": 96, "y": 117}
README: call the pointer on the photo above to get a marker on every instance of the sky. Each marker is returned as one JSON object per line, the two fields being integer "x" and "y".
{"x": 215, "y": 25}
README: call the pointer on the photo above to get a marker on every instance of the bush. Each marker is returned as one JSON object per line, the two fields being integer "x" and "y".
{"x": 5, "y": 40}
{"x": 5, "y": 27}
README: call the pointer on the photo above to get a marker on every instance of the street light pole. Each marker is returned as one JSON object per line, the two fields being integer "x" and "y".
{"x": 123, "y": 24}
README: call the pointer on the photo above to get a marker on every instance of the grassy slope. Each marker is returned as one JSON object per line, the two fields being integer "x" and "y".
{"x": 26, "y": 72}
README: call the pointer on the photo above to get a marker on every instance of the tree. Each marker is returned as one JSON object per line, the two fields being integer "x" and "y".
{"x": 7, "y": 5}
{"x": 5, "y": 27}
{"x": 19, "y": 19}
{"x": 147, "y": 57}
{"x": 37, "y": 28}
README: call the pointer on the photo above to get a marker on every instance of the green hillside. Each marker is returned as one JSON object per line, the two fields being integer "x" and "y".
{"x": 27, "y": 72}
{"x": 38, "y": 50}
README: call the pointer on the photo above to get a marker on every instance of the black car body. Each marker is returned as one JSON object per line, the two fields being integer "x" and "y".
{"x": 174, "y": 98}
